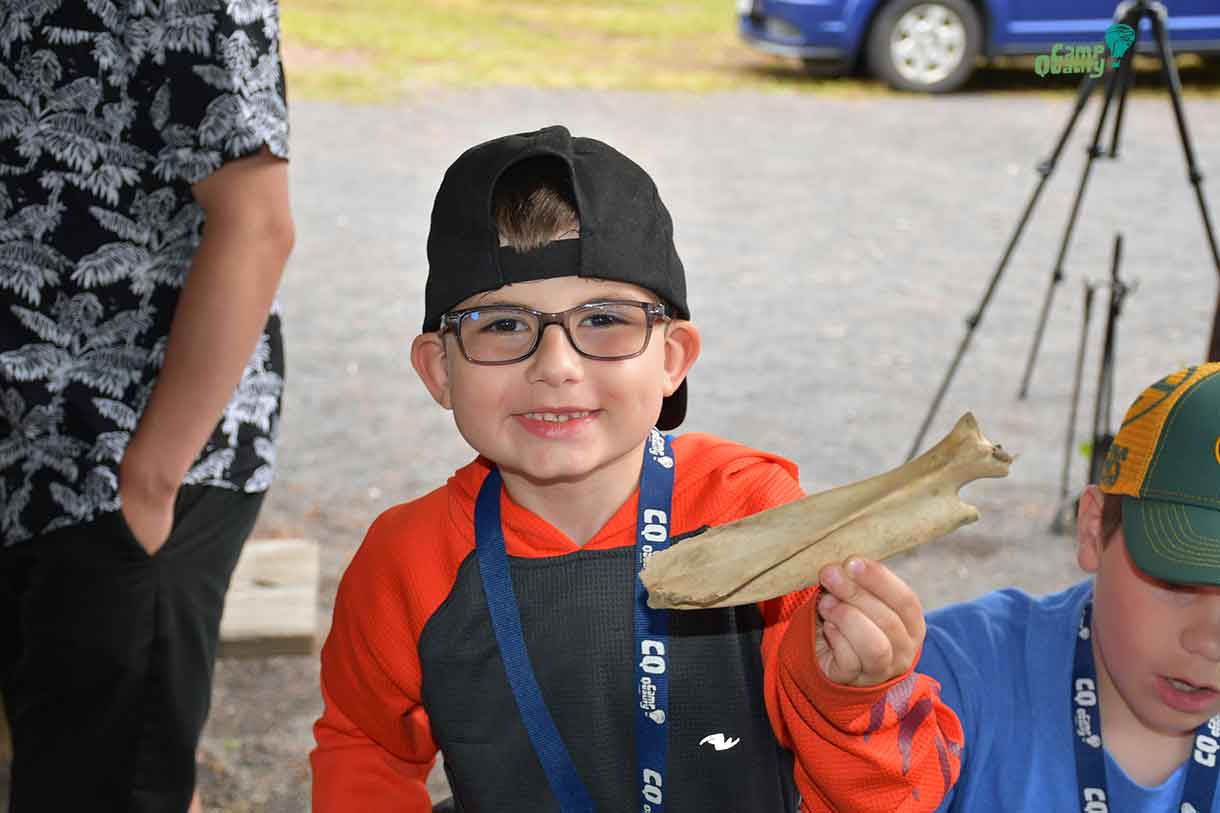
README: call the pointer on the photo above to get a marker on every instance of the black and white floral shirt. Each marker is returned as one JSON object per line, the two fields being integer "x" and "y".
{"x": 109, "y": 111}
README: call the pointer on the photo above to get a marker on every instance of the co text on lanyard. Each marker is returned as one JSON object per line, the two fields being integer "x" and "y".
{"x": 651, "y": 638}
{"x": 1200, "y": 787}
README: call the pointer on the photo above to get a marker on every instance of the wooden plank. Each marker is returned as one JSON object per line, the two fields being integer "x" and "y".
{"x": 272, "y": 604}
{"x": 271, "y": 607}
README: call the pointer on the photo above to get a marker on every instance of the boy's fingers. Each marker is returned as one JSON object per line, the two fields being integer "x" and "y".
{"x": 835, "y": 579}
{"x": 840, "y": 584}
{"x": 893, "y": 592}
{"x": 873, "y": 649}
{"x": 838, "y": 659}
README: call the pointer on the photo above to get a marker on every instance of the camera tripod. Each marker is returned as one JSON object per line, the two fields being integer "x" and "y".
{"x": 1117, "y": 84}
{"x": 1101, "y": 437}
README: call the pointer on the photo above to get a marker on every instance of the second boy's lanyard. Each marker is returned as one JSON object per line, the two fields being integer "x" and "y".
{"x": 651, "y": 638}
{"x": 1201, "y": 775}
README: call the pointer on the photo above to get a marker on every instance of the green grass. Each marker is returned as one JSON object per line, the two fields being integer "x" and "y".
{"x": 370, "y": 49}
{"x": 379, "y": 50}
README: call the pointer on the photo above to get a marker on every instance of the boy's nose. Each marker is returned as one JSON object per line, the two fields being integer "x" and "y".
{"x": 1203, "y": 641}
{"x": 1202, "y": 636}
{"x": 555, "y": 360}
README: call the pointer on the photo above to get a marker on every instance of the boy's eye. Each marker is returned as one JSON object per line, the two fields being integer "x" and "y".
{"x": 505, "y": 324}
{"x": 602, "y": 319}
{"x": 611, "y": 316}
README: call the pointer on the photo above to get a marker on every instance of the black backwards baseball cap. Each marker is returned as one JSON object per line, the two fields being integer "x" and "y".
{"x": 626, "y": 234}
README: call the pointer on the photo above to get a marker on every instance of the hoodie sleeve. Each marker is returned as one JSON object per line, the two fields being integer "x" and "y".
{"x": 374, "y": 744}
{"x": 893, "y": 748}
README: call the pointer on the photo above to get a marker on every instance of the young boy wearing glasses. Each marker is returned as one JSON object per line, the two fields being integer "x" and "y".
{"x": 500, "y": 619}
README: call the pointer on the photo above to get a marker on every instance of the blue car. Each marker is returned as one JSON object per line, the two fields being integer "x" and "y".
{"x": 934, "y": 45}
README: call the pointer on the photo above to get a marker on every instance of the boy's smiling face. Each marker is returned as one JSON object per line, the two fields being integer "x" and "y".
{"x": 1159, "y": 643}
{"x": 499, "y": 409}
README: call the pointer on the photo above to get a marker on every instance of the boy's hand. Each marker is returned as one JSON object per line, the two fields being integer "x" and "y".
{"x": 870, "y": 626}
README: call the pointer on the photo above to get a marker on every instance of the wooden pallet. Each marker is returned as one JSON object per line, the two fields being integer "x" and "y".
{"x": 271, "y": 607}
{"x": 272, "y": 604}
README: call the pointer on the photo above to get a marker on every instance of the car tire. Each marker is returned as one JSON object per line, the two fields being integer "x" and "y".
{"x": 944, "y": 40}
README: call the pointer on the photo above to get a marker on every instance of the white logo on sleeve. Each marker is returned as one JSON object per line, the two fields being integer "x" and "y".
{"x": 719, "y": 742}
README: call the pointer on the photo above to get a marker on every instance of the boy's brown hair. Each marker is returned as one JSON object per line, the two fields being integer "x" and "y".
{"x": 1111, "y": 517}
{"x": 533, "y": 203}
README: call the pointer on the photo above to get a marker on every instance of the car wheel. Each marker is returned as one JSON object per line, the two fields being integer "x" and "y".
{"x": 925, "y": 45}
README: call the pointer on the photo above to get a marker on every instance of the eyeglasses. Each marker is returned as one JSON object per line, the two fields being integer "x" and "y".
{"x": 506, "y": 334}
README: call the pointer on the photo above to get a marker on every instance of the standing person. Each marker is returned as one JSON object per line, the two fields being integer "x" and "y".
{"x": 144, "y": 227}
{"x": 1106, "y": 696}
{"x": 500, "y": 620}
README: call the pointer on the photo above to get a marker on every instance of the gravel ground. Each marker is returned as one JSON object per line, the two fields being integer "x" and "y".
{"x": 833, "y": 248}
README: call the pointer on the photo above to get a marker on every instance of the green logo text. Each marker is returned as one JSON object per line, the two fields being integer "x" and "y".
{"x": 1090, "y": 59}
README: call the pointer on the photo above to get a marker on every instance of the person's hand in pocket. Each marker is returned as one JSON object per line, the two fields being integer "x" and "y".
{"x": 147, "y": 507}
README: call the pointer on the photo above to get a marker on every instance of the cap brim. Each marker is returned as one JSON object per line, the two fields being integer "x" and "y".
{"x": 1172, "y": 542}
{"x": 673, "y": 409}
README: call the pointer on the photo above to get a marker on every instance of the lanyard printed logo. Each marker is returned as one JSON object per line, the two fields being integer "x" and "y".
{"x": 656, "y": 448}
{"x": 652, "y": 661}
{"x": 1206, "y": 745}
{"x": 1084, "y": 696}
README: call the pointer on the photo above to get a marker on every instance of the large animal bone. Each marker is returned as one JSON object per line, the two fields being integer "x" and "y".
{"x": 781, "y": 550}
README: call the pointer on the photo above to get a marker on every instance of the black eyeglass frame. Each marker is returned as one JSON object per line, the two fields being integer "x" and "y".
{"x": 653, "y": 312}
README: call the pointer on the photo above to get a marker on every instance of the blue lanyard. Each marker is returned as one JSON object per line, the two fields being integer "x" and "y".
{"x": 651, "y": 638}
{"x": 652, "y": 626}
{"x": 1201, "y": 776}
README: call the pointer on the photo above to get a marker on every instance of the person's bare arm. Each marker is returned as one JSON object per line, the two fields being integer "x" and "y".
{"x": 221, "y": 312}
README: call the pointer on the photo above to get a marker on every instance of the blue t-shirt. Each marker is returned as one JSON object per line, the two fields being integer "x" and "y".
{"x": 1004, "y": 663}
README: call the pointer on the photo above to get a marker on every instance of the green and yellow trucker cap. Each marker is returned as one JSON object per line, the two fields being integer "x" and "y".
{"x": 1166, "y": 462}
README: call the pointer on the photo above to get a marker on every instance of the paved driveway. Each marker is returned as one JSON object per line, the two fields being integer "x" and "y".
{"x": 833, "y": 248}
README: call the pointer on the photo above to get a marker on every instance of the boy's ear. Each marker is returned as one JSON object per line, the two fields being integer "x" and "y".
{"x": 682, "y": 345}
{"x": 1089, "y": 542}
{"x": 429, "y": 360}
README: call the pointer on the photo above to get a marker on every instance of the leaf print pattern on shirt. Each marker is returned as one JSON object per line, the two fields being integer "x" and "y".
{"x": 109, "y": 111}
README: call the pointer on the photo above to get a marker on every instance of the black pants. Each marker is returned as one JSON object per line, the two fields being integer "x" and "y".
{"x": 107, "y": 654}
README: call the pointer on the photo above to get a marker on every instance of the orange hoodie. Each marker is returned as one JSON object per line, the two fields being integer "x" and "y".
{"x": 888, "y": 748}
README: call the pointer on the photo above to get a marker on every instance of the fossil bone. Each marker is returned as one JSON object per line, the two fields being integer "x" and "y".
{"x": 778, "y": 551}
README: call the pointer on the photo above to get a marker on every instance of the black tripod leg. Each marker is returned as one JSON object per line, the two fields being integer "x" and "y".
{"x": 1102, "y": 438}
{"x": 972, "y": 322}
{"x": 1213, "y": 345}
{"x": 1126, "y": 78}
{"x": 1169, "y": 70}
{"x": 1057, "y": 275}
{"x": 1061, "y": 521}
